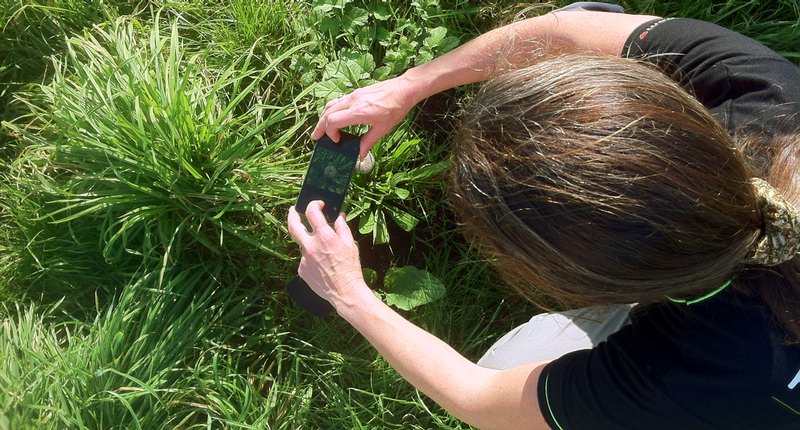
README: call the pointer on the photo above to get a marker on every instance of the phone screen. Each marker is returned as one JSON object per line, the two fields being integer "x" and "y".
{"x": 330, "y": 170}
{"x": 328, "y": 174}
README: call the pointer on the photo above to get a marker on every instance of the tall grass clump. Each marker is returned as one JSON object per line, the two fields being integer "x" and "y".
{"x": 225, "y": 29}
{"x": 33, "y": 30}
{"x": 138, "y": 155}
{"x": 165, "y": 355}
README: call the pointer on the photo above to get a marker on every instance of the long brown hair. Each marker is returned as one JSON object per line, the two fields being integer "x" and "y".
{"x": 595, "y": 180}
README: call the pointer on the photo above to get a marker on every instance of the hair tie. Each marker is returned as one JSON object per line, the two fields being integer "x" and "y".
{"x": 781, "y": 238}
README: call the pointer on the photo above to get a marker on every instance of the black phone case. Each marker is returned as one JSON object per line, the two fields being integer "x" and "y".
{"x": 299, "y": 291}
{"x": 303, "y": 296}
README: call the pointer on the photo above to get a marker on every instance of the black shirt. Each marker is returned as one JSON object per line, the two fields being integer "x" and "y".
{"x": 720, "y": 363}
{"x": 746, "y": 85}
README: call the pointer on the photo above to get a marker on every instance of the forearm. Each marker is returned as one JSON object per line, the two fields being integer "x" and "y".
{"x": 483, "y": 397}
{"x": 520, "y": 44}
{"x": 384, "y": 104}
{"x": 405, "y": 346}
{"x": 482, "y": 57}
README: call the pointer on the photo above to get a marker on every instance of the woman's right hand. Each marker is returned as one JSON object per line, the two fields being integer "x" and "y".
{"x": 329, "y": 256}
{"x": 381, "y": 106}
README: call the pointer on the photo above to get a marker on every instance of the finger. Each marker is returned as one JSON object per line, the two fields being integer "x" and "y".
{"x": 319, "y": 129}
{"x": 332, "y": 106}
{"x": 340, "y": 119}
{"x": 323, "y": 127}
{"x": 315, "y": 216}
{"x": 342, "y": 229}
{"x": 330, "y": 129}
{"x": 369, "y": 139}
{"x": 296, "y": 227}
{"x": 333, "y": 102}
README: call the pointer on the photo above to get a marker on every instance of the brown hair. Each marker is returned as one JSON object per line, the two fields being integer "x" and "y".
{"x": 776, "y": 159}
{"x": 595, "y": 180}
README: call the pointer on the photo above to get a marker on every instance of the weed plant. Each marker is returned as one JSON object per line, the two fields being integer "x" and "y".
{"x": 359, "y": 42}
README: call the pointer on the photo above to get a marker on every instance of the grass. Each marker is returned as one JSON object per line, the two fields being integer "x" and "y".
{"x": 143, "y": 360}
{"x": 33, "y": 30}
{"x": 151, "y": 151}
{"x": 150, "y": 156}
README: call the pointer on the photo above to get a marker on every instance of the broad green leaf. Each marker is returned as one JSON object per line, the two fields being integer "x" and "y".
{"x": 364, "y": 60}
{"x": 370, "y": 276}
{"x": 380, "y": 12}
{"x": 448, "y": 44}
{"x": 402, "y": 193}
{"x": 381, "y": 233}
{"x": 425, "y": 55}
{"x": 408, "y": 287}
{"x": 326, "y": 6}
{"x": 367, "y": 223}
{"x": 405, "y": 220}
{"x": 435, "y": 37}
{"x": 331, "y": 88}
{"x": 356, "y": 18}
{"x": 322, "y": 7}
{"x": 329, "y": 25}
{"x": 364, "y": 38}
{"x": 384, "y": 36}
{"x": 348, "y": 70}
{"x": 381, "y": 73}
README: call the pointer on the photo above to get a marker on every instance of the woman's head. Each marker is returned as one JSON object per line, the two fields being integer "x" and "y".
{"x": 594, "y": 179}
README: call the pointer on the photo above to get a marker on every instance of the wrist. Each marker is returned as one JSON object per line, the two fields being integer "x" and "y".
{"x": 418, "y": 84}
{"x": 356, "y": 302}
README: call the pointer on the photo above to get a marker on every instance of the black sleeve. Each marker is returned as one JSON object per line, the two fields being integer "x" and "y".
{"x": 745, "y": 84}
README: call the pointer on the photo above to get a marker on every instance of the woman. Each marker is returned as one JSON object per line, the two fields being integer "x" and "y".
{"x": 595, "y": 179}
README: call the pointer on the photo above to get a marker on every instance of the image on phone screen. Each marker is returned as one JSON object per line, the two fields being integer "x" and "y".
{"x": 328, "y": 175}
{"x": 330, "y": 171}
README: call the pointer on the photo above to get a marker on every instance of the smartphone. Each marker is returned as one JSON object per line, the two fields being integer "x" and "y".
{"x": 327, "y": 179}
{"x": 328, "y": 174}
{"x": 304, "y": 297}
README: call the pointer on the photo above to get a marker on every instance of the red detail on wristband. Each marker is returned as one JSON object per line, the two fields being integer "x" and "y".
{"x": 643, "y": 35}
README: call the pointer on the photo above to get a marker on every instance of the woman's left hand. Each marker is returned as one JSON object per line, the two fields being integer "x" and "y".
{"x": 329, "y": 262}
{"x": 382, "y": 106}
